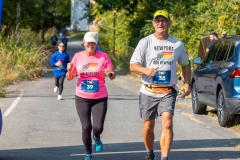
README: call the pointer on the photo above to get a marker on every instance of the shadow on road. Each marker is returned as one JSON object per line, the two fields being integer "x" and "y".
{"x": 181, "y": 150}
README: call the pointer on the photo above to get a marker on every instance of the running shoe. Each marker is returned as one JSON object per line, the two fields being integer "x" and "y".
{"x": 55, "y": 89}
{"x": 150, "y": 157}
{"x": 60, "y": 97}
{"x": 88, "y": 157}
{"x": 98, "y": 144}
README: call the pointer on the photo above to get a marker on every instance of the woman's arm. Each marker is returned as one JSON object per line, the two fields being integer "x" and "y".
{"x": 72, "y": 73}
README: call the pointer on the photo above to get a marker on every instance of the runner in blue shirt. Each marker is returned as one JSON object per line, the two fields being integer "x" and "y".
{"x": 59, "y": 61}
{"x": 65, "y": 41}
{"x": 99, "y": 48}
{"x": 54, "y": 40}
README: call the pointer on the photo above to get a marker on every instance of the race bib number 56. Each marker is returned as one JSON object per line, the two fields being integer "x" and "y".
{"x": 162, "y": 77}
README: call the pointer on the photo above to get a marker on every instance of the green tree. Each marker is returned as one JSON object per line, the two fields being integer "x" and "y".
{"x": 34, "y": 13}
{"x": 191, "y": 20}
{"x": 117, "y": 46}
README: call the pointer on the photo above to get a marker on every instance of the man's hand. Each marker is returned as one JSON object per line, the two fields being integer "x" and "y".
{"x": 186, "y": 89}
{"x": 151, "y": 71}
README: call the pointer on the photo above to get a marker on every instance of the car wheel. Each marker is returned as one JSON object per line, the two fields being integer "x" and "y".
{"x": 224, "y": 118}
{"x": 197, "y": 107}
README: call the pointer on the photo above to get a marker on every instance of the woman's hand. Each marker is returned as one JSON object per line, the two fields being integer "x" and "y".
{"x": 59, "y": 63}
{"x": 69, "y": 66}
{"x": 110, "y": 73}
{"x": 71, "y": 74}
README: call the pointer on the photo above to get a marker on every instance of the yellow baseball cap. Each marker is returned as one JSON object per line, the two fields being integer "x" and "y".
{"x": 163, "y": 13}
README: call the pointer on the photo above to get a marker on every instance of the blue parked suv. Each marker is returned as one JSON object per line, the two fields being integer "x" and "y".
{"x": 0, "y": 121}
{"x": 216, "y": 81}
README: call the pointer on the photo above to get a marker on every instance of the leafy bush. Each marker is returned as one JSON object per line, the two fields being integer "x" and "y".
{"x": 22, "y": 58}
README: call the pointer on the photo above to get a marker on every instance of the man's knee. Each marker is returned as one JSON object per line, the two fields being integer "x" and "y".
{"x": 167, "y": 124}
{"x": 148, "y": 126}
{"x": 167, "y": 121}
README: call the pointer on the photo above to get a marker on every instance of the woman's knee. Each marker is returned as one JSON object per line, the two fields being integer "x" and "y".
{"x": 87, "y": 129}
{"x": 97, "y": 130}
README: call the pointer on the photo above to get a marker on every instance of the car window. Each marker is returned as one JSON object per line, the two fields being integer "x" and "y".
{"x": 222, "y": 51}
{"x": 231, "y": 51}
{"x": 211, "y": 54}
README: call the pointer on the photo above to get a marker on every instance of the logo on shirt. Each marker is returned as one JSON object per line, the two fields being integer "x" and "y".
{"x": 164, "y": 58}
{"x": 167, "y": 56}
{"x": 89, "y": 69}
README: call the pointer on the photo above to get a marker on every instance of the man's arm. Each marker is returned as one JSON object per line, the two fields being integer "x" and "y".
{"x": 186, "y": 70}
{"x": 207, "y": 50}
{"x": 137, "y": 68}
{"x": 210, "y": 46}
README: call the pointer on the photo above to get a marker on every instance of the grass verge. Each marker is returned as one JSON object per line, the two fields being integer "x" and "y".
{"x": 22, "y": 58}
{"x": 77, "y": 35}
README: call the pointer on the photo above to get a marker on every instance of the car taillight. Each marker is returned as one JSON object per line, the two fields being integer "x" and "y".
{"x": 235, "y": 73}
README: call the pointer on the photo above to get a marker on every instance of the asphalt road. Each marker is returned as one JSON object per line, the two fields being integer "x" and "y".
{"x": 37, "y": 126}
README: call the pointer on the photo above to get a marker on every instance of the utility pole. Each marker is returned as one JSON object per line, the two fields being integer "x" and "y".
{"x": 114, "y": 30}
{"x": 18, "y": 16}
{"x": 42, "y": 21}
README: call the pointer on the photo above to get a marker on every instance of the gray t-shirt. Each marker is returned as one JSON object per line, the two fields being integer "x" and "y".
{"x": 152, "y": 52}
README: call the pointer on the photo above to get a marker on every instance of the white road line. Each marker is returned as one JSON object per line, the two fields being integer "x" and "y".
{"x": 113, "y": 153}
{"x": 173, "y": 150}
{"x": 13, "y": 105}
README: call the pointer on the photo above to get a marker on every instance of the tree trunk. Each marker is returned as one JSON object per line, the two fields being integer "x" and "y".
{"x": 18, "y": 16}
{"x": 42, "y": 21}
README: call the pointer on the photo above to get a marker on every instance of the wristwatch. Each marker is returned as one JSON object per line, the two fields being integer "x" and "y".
{"x": 189, "y": 83}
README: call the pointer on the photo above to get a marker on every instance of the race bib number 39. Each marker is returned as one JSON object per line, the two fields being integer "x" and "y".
{"x": 162, "y": 77}
{"x": 90, "y": 85}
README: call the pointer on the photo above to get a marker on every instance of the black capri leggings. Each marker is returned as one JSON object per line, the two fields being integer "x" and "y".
{"x": 59, "y": 83}
{"x": 98, "y": 109}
